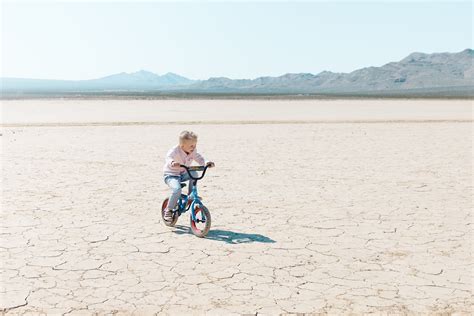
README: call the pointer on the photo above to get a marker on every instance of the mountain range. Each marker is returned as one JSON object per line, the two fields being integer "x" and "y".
{"x": 437, "y": 74}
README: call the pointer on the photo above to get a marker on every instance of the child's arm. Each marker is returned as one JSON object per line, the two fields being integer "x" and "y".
{"x": 200, "y": 160}
{"x": 170, "y": 159}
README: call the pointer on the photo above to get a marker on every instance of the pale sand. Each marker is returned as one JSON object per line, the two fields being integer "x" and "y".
{"x": 337, "y": 218}
{"x": 114, "y": 112}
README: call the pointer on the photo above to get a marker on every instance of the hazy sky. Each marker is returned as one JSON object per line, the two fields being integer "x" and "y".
{"x": 197, "y": 39}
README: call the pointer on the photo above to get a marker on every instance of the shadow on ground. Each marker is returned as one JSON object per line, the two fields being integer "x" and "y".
{"x": 227, "y": 236}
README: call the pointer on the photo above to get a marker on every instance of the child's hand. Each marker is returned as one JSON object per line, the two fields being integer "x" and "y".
{"x": 174, "y": 164}
{"x": 210, "y": 164}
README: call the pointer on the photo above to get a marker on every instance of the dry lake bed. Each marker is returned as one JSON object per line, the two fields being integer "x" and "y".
{"x": 318, "y": 206}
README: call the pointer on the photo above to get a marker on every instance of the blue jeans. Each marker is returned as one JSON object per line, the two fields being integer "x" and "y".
{"x": 174, "y": 182}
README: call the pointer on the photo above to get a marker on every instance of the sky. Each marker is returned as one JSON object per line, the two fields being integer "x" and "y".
{"x": 78, "y": 40}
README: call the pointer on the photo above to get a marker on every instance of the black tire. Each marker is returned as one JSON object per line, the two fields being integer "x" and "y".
{"x": 200, "y": 231}
{"x": 173, "y": 221}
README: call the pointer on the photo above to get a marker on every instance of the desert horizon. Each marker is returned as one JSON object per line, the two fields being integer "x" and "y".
{"x": 439, "y": 74}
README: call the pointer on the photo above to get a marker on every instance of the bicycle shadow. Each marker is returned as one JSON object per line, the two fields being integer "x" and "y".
{"x": 227, "y": 236}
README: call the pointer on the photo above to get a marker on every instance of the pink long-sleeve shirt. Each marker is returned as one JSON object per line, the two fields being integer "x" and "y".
{"x": 178, "y": 155}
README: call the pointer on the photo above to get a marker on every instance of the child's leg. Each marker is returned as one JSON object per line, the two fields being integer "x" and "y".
{"x": 175, "y": 185}
{"x": 186, "y": 177}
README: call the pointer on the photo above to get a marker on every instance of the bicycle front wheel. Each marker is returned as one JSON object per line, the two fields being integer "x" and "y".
{"x": 200, "y": 227}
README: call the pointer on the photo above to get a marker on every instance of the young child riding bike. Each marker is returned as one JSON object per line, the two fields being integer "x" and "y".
{"x": 182, "y": 154}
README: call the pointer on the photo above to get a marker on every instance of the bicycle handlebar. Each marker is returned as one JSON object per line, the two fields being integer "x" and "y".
{"x": 195, "y": 168}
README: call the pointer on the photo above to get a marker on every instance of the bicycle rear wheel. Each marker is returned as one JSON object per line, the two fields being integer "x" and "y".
{"x": 201, "y": 226}
{"x": 173, "y": 221}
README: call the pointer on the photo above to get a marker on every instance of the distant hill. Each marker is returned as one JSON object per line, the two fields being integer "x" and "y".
{"x": 416, "y": 71}
{"x": 140, "y": 80}
{"x": 437, "y": 74}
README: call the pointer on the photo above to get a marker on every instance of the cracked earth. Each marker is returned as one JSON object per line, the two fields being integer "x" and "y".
{"x": 307, "y": 218}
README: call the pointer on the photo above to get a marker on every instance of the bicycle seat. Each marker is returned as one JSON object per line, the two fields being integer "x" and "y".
{"x": 183, "y": 185}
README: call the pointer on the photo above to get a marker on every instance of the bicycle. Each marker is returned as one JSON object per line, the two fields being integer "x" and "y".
{"x": 200, "y": 218}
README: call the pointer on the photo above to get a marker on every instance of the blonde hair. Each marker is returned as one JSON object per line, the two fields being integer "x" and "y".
{"x": 187, "y": 135}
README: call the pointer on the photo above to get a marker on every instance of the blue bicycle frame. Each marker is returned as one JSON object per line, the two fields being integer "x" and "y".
{"x": 183, "y": 200}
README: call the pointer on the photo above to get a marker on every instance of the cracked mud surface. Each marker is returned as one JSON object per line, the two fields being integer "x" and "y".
{"x": 307, "y": 218}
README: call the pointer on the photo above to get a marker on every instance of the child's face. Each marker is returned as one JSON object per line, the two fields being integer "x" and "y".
{"x": 188, "y": 145}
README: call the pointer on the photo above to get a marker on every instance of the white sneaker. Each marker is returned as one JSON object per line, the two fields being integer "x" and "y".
{"x": 168, "y": 216}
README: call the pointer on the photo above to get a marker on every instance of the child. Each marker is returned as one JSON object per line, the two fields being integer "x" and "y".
{"x": 182, "y": 154}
